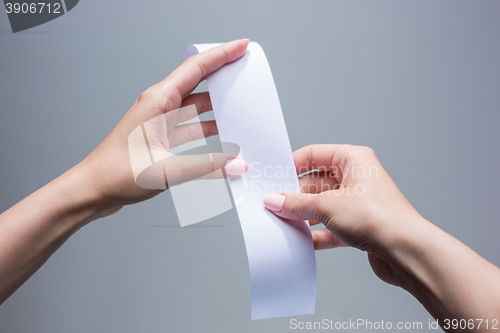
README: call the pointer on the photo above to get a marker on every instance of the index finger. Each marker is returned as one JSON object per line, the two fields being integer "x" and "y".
{"x": 187, "y": 76}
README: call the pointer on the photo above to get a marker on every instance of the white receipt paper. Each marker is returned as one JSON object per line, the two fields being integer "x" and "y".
{"x": 280, "y": 252}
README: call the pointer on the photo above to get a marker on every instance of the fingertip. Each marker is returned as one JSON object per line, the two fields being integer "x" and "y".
{"x": 236, "y": 167}
{"x": 274, "y": 202}
{"x": 237, "y": 49}
{"x": 315, "y": 240}
{"x": 242, "y": 42}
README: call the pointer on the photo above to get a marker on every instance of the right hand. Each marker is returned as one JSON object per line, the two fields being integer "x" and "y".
{"x": 356, "y": 200}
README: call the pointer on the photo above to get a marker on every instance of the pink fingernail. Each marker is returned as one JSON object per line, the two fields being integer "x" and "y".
{"x": 274, "y": 202}
{"x": 236, "y": 167}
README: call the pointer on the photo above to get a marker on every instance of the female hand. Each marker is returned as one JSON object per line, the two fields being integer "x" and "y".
{"x": 361, "y": 206}
{"x": 353, "y": 196}
{"x": 116, "y": 173}
{"x": 151, "y": 128}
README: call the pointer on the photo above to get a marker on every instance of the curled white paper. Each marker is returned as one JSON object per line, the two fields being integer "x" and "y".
{"x": 280, "y": 252}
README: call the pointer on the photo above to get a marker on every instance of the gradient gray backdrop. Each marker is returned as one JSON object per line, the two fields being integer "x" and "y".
{"x": 417, "y": 81}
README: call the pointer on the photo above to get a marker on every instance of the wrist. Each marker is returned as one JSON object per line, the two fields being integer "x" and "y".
{"x": 410, "y": 246}
{"x": 445, "y": 275}
{"x": 81, "y": 191}
{"x": 424, "y": 258}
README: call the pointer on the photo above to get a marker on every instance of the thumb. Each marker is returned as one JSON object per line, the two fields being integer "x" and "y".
{"x": 295, "y": 206}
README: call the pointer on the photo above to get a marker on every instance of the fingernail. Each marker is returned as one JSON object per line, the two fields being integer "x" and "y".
{"x": 236, "y": 167}
{"x": 274, "y": 202}
{"x": 248, "y": 40}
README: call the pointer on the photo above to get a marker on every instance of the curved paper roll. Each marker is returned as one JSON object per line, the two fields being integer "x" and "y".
{"x": 280, "y": 252}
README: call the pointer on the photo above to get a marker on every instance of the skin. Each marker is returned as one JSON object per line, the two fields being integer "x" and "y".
{"x": 360, "y": 206}
{"x": 33, "y": 229}
{"x": 363, "y": 210}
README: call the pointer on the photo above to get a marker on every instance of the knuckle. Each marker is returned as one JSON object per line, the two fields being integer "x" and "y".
{"x": 323, "y": 208}
{"x": 154, "y": 98}
{"x": 348, "y": 150}
{"x": 368, "y": 151}
{"x": 191, "y": 60}
{"x": 299, "y": 206}
{"x": 196, "y": 61}
{"x": 361, "y": 154}
{"x": 203, "y": 67}
{"x": 292, "y": 206}
{"x": 147, "y": 95}
{"x": 208, "y": 164}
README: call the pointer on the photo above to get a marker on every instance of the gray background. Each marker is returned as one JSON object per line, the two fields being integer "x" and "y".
{"x": 417, "y": 81}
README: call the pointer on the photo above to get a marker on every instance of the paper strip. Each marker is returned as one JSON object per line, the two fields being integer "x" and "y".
{"x": 280, "y": 252}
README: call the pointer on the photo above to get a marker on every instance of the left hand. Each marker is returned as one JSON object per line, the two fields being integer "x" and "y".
{"x": 108, "y": 168}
